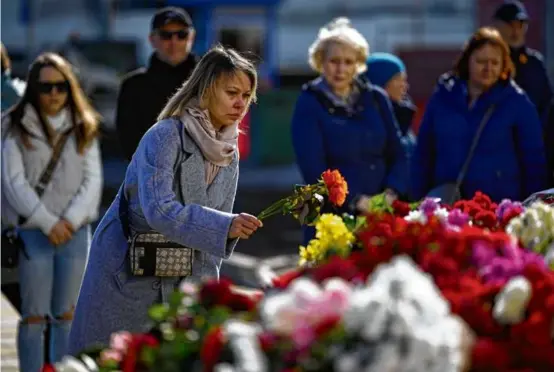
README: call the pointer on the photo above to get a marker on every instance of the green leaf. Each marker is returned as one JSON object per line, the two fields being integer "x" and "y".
{"x": 148, "y": 355}
{"x": 158, "y": 312}
{"x": 175, "y": 299}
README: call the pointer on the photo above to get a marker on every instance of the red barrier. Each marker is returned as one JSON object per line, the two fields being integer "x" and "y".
{"x": 244, "y": 142}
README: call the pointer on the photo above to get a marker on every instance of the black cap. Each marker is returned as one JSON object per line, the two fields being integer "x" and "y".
{"x": 170, "y": 14}
{"x": 511, "y": 11}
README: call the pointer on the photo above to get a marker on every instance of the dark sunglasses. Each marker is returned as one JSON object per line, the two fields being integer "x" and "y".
{"x": 62, "y": 87}
{"x": 168, "y": 35}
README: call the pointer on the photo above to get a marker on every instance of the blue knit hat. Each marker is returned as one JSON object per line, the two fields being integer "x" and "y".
{"x": 381, "y": 67}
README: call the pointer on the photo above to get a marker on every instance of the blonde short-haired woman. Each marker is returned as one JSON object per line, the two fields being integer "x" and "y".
{"x": 342, "y": 122}
{"x": 181, "y": 184}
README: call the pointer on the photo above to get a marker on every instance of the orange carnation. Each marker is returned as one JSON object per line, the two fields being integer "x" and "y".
{"x": 336, "y": 185}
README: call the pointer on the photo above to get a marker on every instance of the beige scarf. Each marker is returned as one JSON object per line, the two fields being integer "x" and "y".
{"x": 218, "y": 147}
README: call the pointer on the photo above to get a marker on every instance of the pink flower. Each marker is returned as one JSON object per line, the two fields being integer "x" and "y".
{"x": 302, "y": 336}
{"x": 188, "y": 288}
{"x": 110, "y": 355}
{"x": 120, "y": 341}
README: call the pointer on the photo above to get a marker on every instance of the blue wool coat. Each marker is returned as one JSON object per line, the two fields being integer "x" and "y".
{"x": 509, "y": 161}
{"x": 363, "y": 144}
{"x": 166, "y": 190}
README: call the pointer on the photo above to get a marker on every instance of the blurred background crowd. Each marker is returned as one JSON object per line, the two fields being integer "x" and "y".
{"x": 130, "y": 55}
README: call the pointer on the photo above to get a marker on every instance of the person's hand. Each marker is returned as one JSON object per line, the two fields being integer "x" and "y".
{"x": 243, "y": 226}
{"x": 60, "y": 233}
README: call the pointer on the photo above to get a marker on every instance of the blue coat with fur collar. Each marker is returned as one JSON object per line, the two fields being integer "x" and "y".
{"x": 361, "y": 141}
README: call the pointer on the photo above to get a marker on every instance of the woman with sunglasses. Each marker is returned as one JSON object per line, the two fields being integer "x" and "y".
{"x": 51, "y": 187}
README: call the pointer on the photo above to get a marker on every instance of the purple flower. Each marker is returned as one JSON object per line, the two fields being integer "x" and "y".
{"x": 429, "y": 205}
{"x": 504, "y": 206}
{"x": 457, "y": 218}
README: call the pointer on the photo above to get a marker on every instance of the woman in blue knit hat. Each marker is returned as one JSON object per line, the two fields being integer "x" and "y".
{"x": 389, "y": 72}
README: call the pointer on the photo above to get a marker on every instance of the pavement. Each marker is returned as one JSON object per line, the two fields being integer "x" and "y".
{"x": 8, "y": 331}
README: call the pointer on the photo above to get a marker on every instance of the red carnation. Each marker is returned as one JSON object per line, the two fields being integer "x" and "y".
{"x": 336, "y": 186}
{"x": 401, "y": 208}
{"x": 485, "y": 219}
{"x": 483, "y": 200}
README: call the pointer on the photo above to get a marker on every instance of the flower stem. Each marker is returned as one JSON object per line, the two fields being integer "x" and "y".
{"x": 273, "y": 209}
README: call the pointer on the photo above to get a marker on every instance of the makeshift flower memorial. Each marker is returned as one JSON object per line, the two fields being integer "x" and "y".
{"x": 307, "y": 200}
{"x": 423, "y": 287}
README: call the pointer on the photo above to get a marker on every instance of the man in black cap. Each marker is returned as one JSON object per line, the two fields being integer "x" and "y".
{"x": 511, "y": 20}
{"x": 145, "y": 91}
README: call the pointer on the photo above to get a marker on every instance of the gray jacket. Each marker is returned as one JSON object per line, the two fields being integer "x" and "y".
{"x": 111, "y": 299}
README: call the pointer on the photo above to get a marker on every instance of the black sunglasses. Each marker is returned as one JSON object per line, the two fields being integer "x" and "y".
{"x": 168, "y": 35}
{"x": 45, "y": 87}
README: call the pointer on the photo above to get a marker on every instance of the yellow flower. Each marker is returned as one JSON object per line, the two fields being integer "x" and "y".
{"x": 331, "y": 235}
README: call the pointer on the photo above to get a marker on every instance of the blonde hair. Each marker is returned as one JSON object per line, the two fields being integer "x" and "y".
{"x": 339, "y": 30}
{"x": 218, "y": 62}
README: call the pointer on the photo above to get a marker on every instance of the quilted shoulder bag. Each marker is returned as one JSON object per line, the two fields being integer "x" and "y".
{"x": 151, "y": 253}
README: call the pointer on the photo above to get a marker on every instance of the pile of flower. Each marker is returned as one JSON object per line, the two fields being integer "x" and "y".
{"x": 404, "y": 287}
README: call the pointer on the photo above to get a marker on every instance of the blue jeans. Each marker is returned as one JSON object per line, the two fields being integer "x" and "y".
{"x": 50, "y": 281}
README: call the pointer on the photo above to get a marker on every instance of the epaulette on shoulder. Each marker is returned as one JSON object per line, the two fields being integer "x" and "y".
{"x": 533, "y": 53}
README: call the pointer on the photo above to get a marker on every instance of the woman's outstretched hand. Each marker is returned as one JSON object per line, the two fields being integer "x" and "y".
{"x": 243, "y": 226}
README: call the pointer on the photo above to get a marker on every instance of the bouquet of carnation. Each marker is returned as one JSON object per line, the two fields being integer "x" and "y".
{"x": 307, "y": 200}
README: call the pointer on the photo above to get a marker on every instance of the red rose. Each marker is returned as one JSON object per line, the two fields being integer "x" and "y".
{"x": 211, "y": 348}
{"x": 488, "y": 355}
{"x": 214, "y": 293}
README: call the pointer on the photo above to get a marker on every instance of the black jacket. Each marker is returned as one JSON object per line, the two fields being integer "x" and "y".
{"x": 143, "y": 94}
{"x": 531, "y": 75}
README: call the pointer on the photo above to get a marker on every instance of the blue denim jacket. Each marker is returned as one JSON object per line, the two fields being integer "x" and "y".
{"x": 185, "y": 210}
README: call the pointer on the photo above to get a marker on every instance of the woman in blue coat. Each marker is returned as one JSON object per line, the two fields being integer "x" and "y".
{"x": 509, "y": 160}
{"x": 343, "y": 123}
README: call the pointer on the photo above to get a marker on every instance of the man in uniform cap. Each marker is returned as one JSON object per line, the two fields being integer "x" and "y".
{"x": 511, "y": 20}
{"x": 144, "y": 92}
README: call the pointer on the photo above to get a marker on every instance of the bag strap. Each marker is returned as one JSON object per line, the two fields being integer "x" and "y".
{"x": 473, "y": 147}
{"x": 48, "y": 172}
{"x": 123, "y": 209}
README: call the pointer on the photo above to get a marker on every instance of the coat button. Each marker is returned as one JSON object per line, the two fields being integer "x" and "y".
{"x": 331, "y": 110}
{"x": 372, "y": 167}
{"x": 498, "y": 174}
{"x": 157, "y": 284}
